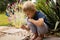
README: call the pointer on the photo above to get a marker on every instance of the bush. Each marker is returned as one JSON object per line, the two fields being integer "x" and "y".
{"x": 51, "y": 10}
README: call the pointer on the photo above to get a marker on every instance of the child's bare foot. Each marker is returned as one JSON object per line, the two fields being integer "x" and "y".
{"x": 40, "y": 37}
{"x": 46, "y": 35}
{"x": 34, "y": 36}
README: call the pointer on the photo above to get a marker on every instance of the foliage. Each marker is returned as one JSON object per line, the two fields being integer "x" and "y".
{"x": 3, "y": 20}
{"x": 11, "y": 1}
{"x": 3, "y": 4}
{"x": 51, "y": 10}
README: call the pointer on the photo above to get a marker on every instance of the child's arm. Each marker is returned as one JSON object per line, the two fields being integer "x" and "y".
{"x": 38, "y": 22}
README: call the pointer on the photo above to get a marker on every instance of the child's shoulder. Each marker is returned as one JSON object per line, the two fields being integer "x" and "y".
{"x": 39, "y": 13}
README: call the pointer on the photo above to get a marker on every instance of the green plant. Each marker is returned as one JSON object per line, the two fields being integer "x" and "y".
{"x": 51, "y": 10}
{"x": 3, "y": 4}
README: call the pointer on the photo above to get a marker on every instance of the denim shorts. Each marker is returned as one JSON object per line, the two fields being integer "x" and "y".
{"x": 40, "y": 30}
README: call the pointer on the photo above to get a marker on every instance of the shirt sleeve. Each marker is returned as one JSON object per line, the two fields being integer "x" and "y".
{"x": 41, "y": 15}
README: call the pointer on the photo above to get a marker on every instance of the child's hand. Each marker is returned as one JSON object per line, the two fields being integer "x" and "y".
{"x": 31, "y": 20}
{"x": 23, "y": 27}
{"x": 38, "y": 22}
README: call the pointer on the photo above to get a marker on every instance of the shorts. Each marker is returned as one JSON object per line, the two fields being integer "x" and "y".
{"x": 39, "y": 30}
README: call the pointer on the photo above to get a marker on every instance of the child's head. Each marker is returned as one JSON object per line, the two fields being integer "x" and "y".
{"x": 29, "y": 8}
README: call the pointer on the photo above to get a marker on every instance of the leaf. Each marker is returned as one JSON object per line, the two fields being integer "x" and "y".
{"x": 56, "y": 25}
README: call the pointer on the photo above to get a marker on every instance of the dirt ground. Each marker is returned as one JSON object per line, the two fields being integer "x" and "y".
{"x": 11, "y": 33}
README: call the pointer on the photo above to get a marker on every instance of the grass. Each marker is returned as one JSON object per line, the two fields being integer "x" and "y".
{"x": 3, "y": 20}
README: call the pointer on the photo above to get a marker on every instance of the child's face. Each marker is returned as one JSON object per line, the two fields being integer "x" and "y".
{"x": 30, "y": 14}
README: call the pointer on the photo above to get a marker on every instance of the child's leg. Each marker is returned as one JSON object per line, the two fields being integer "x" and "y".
{"x": 34, "y": 30}
{"x": 35, "y": 35}
{"x": 40, "y": 37}
{"x": 42, "y": 30}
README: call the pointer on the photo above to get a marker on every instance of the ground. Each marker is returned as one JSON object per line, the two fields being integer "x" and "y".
{"x": 11, "y": 33}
